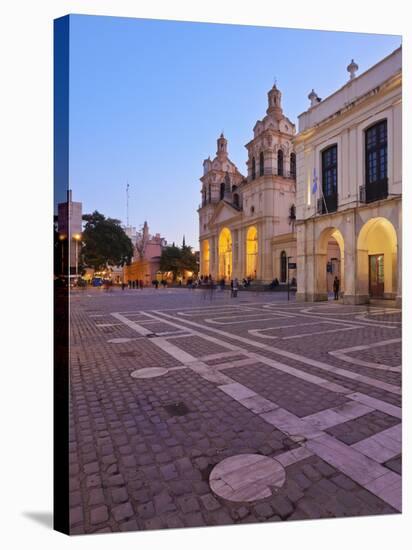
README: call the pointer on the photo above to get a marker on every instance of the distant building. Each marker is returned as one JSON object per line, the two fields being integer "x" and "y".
{"x": 349, "y": 187}
{"x": 246, "y": 224}
{"x": 69, "y": 227}
{"x": 146, "y": 259}
{"x": 131, "y": 232}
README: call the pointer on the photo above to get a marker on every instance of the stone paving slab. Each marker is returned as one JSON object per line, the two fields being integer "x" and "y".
{"x": 142, "y": 450}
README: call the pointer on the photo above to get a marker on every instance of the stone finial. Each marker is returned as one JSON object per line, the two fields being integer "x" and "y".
{"x": 313, "y": 98}
{"x": 352, "y": 68}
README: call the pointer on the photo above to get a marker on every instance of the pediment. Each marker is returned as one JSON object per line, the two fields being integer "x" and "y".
{"x": 223, "y": 213}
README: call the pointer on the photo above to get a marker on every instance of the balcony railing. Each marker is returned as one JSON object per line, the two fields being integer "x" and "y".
{"x": 374, "y": 191}
{"x": 274, "y": 172}
{"x": 327, "y": 204}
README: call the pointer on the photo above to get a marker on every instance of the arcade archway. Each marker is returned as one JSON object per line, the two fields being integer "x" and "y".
{"x": 330, "y": 262}
{"x": 377, "y": 248}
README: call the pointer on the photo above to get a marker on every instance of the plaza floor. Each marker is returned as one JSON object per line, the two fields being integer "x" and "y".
{"x": 191, "y": 408}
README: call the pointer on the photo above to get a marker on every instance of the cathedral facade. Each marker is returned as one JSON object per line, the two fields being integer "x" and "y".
{"x": 247, "y": 223}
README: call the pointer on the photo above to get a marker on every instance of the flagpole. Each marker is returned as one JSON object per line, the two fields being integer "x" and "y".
{"x": 315, "y": 189}
{"x": 324, "y": 201}
{"x": 127, "y": 204}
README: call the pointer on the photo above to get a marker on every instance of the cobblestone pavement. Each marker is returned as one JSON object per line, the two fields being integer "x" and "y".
{"x": 314, "y": 387}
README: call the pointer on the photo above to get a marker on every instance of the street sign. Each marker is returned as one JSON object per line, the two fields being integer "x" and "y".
{"x": 291, "y": 266}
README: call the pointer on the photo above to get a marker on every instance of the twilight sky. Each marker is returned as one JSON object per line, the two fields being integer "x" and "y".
{"x": 149, "y": 98}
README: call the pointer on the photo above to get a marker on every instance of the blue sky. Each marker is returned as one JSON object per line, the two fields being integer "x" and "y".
{"x": 149, "y": 98}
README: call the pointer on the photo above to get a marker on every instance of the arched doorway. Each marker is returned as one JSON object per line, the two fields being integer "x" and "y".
{"x": 377, "y": 249}
{"x": 330, "y": 262}
{"x": 205, "y": 258}
{"x": 225, "y": 253}
{"x": 251, "y": 252}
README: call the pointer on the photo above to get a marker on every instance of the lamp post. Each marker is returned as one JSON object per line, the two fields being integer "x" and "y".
{"x": 62, "y": 238}
{"x": 288, "y": 258}
{"x": 76, "y": 238}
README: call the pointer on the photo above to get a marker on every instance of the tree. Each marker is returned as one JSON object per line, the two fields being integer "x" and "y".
{"x": 104, "y": 242}
{"x": 188, "y": 259}
{"x": 170, "y": 260}
{"x": 177, "y": 260}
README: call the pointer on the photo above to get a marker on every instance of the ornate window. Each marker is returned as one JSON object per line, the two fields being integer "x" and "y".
{"x": 236, "y": 200}
{"x": 253, "y": 168}
{"x": 280, "y": 162}
{"x": 293, "y": 165}
{"x": 261, "y": 164}
{"x": 330, "y": 179}
{"x": 210, "y": 193}
{"x": 376, "y": 157}
{"x": 283, "y": 266}
{"x": 222, "y": 190}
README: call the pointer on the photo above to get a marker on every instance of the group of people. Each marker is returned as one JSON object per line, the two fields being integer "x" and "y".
{"x": 137, "y": 284}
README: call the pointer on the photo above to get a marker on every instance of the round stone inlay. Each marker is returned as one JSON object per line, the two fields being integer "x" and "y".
{"x": 150, "y": 372}
{"x": 247, "y": 477}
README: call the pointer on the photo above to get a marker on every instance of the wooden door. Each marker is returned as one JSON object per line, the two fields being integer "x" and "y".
{"x": 376, "y": 275}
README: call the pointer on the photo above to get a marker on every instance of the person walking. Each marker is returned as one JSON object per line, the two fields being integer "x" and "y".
{"x": 336, "y": 285}
{"x": 235, "y": 287}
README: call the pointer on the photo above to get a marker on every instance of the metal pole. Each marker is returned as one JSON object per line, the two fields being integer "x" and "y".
{"x": 77, "y": 261}
{"x": 288, "y": 275}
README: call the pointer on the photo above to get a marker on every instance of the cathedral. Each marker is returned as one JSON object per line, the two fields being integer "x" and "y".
{"x": 247, "y": 223}
{"x": 322, "y": 203}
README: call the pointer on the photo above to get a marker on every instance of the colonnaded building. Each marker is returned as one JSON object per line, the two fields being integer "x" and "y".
{"x": 347, "y": 163}
{"x": 349, "y": 187}
{"x": 246, "y": 224}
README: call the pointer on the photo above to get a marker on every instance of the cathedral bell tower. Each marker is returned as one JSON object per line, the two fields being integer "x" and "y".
{"x": 221, "y": 147}
{"x": 274, "y": 103}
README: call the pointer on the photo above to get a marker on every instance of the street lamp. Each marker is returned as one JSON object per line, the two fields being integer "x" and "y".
{"x": 76, "y": 238}
{"x": 62, "y": 237}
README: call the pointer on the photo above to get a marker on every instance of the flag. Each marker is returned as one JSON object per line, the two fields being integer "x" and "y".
{"x": 315, "y": 182}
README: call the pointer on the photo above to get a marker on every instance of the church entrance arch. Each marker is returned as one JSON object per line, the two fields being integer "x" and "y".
{"x": 251, "y": 252}
{"x": 225, "y": 254}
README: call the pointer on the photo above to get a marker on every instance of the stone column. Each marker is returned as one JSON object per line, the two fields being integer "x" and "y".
{"x": 235, "y": 254}
{"x": 266, "y": 270}
{"x": 270, "y": 162}
{"x": 348, "y": 263}
{"x": 320, "y": 287}
{"x": 213, "y": 257}
{"x": 399, "y": 259}
{"x": 301, "y": 262}
{"x": 358, "y": 283}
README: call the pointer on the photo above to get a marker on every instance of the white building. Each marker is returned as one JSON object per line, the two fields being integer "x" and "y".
{"x": 349, "y": 187}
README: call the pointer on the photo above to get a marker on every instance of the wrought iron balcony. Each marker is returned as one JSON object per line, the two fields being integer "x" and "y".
{"x": 373, "y": 191}
{"x": 327, "y": 204}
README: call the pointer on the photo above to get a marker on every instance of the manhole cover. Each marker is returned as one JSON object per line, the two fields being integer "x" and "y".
{"x": 119, "y": 340}
{"x": 246, "y": 478}
{"x": 177, "y": 409}
{"x": 127, "y": 354}
{"x": 150, "y": 372}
